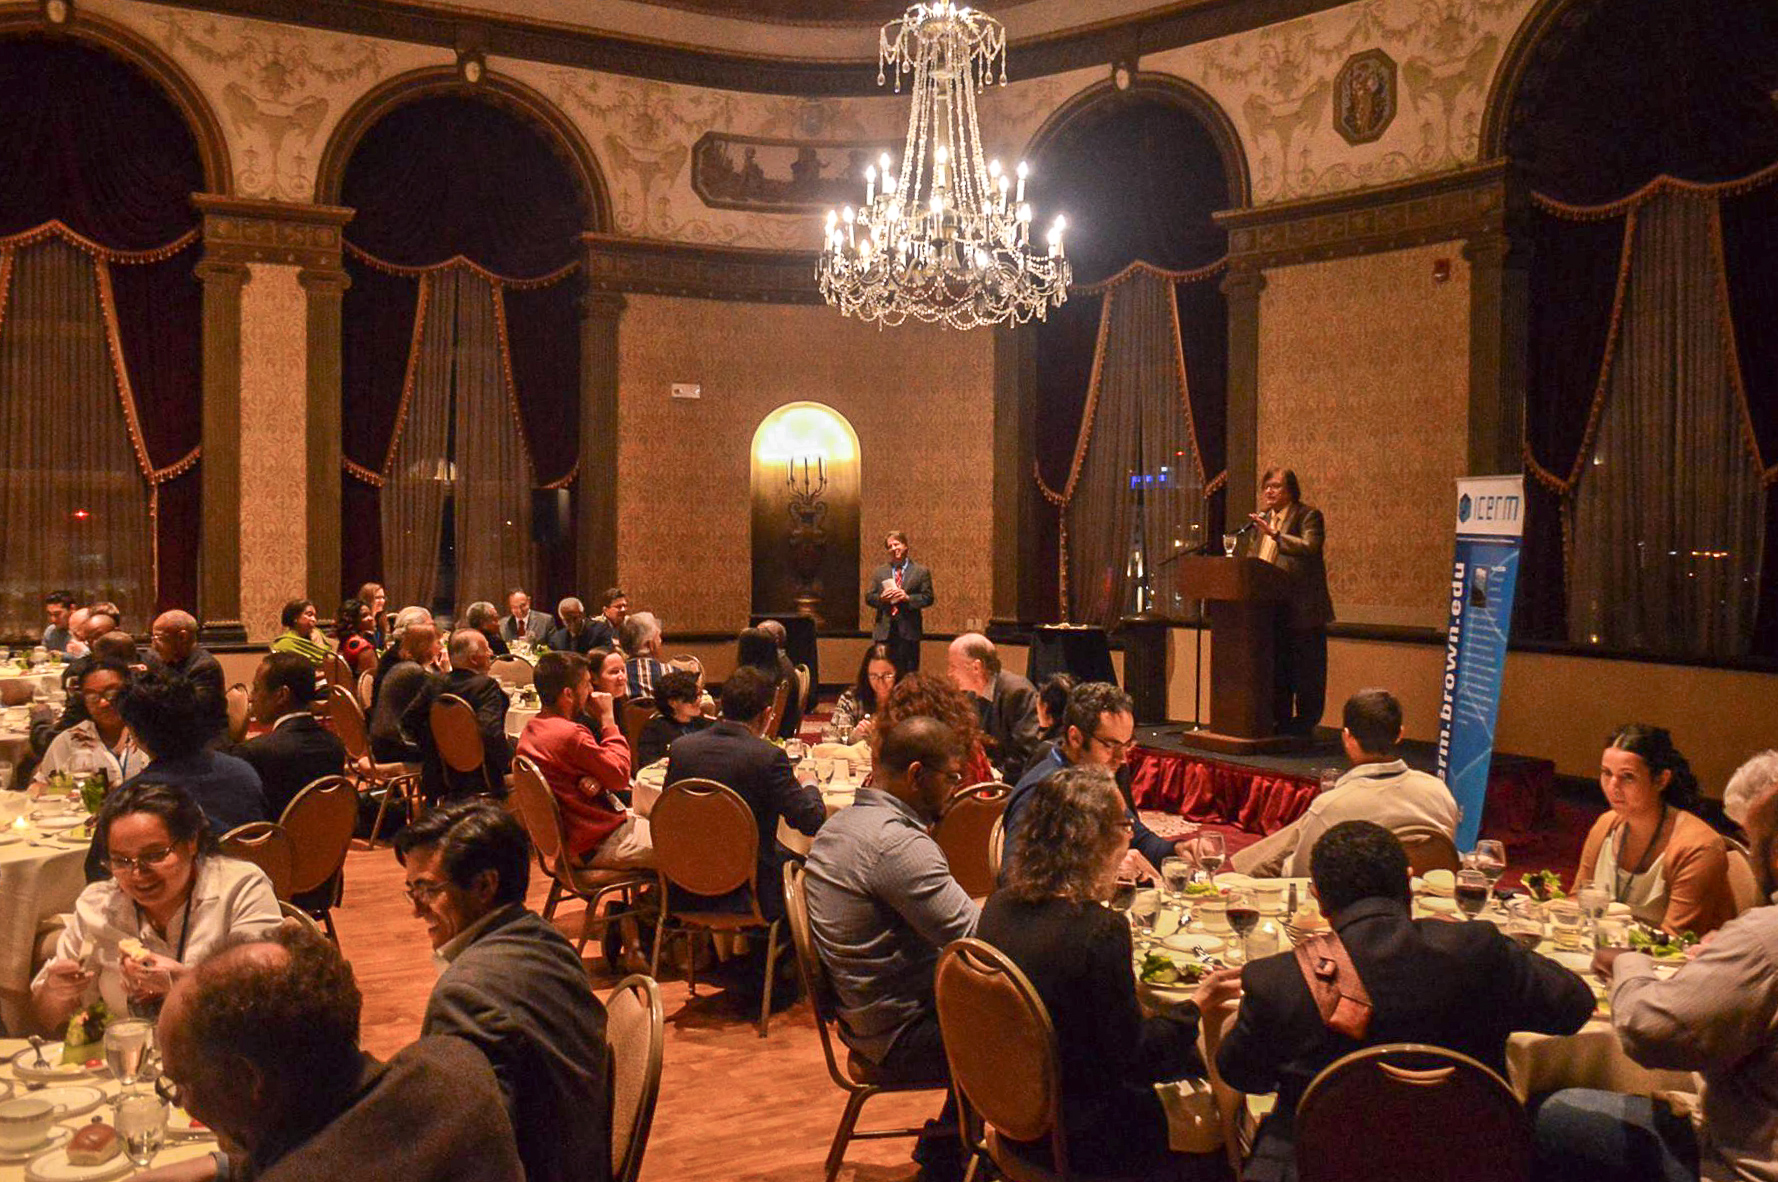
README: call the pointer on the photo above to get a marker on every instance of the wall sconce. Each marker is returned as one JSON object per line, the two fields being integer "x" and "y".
{"x": 58, "y": 12}
{"x": 472, "y": 67}
{"x": 1441, "y": 270}
{"x": 1123, "y": 75}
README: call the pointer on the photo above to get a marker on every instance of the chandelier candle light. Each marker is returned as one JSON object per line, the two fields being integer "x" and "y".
{"x": 948, "y": 239}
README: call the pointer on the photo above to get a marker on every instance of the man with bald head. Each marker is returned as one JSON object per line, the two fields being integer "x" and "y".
{"x": 468, "y": 679}
{"x": 174, "y": 648}
{"x": 1007, "y": 701}
{"x": 261, "y": 1044}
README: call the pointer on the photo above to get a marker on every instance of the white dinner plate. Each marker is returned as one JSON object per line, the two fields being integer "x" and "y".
{"x": 75, "y": 1099}
{"x": 1438, "y": 903}
{"x": 1192, "y": 942}
{"x": 54, "y": 1166}
{"x": 24, "y": 1065}
{"x": 74, "y": 838}
{"x": 1236, "y": 881}
{"x": 57, "y": 1135}
{"x": 59, "y": 821}
{"x": 9, "y": 835}
{"x": 1580, "y": 962}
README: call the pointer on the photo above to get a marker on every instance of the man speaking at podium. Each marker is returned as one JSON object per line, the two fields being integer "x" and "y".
{"x": 1289, "y": 534}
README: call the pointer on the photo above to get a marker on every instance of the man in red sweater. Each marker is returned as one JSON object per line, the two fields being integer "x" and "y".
{"x": 583, "y": 769}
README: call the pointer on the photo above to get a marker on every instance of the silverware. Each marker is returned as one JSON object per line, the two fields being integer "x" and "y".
{"x": 37, "y": 1045}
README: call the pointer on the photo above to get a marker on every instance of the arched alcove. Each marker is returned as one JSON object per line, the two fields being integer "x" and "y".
{"x": 806, "y": 467}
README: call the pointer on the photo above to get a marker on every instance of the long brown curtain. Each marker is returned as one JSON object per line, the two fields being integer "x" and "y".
{"x": 1135, "y": 495}
{"x": 417, "y": 475}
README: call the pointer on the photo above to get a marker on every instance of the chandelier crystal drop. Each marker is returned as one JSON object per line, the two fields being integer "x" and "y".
{"x": 947, "y": 239}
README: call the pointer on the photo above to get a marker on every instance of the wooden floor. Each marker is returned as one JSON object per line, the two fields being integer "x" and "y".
{"x": 732, "y": 1107}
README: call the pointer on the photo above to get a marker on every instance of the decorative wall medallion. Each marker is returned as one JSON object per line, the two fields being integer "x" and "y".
{"x": 1364, "y": 96}
{"x": 769, "y": 175}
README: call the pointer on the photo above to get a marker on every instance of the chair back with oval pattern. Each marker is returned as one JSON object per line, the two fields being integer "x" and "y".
{"x": 539, "y": 812}
{"x": 1428, "y": 849}
{"x": 706, "y": 840}
{"x": 513, "y": 671}
{"x": 456, "y": 735}
{"x": 319, "y": 820}
{"x": 965, "y": 832}
{"x": 267, "y": 846}
{"x": 635, "y": 1033}
{"x": 348, "y": 721}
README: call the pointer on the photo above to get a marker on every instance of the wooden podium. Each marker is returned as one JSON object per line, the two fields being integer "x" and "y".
{"x": 1243, "y": 597}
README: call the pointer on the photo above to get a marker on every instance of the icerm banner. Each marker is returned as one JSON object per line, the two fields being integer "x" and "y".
{"x": 1484, "y": 574}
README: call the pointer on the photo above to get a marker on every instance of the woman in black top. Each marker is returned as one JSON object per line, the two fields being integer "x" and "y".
{"x": 1049, "y": 919}
{"x": 677, "y": 695}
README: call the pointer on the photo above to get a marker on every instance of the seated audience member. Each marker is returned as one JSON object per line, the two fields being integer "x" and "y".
{"x": 57, "y": 606}
{"x": 1718, "y": 1016}
{"x": 1052, "y": 703}
{"x": 611, "y": 676}
{"x": 583, "y": 767}
{"x": 641, "y": 638}
{"x": 1380, "y": 787}
{"x": 733, "y": 754}
{"x": 690, "y": 664}
{"x": 614, "y": 605}
{"x": 522, "y": 623}
{"x": 421, "y": 656}
{"x": 791, "y": 724}
{"x": 1461, "y": 986}
{"x": 355, "y": 630}
{"x": 373, "y": 596}
{"x": 676, "y": 696}
{"x": 261, "y": 1045}
{"x": 1098, "y": 724}
{"x": 854, "y": 714}
{"x": 1750, "y": 801}
{"x": 484, "y": 617}
{"x": 100, "y": 741}
{"x": 574, "y": 634}
{"x": 469, "y": 680}
{"x": 515, "y": 988}
{"x": 406, "y": 618}
{"x": 1008, "y": 702}
{"x": 174, "y": 648}
{"x": 1049, "y": 918}
{"x": 295, "y": 750}
{"x": 1652, "y": 851}
{"x": 45, "y": 723}
{"x": 301, "y": 633}
{"x": 164, "y": 714}
{"x": 934, "y": 695}
{"x": 89, "y": 623}
{"x": 882, "y": 904}
{"x": 168, "y": 888}
{"x": 76, "y": 628}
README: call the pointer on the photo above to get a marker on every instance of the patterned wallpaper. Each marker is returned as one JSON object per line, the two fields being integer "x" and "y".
{"x": 1364, "y": 389}
{"x": 920, "y": 400}
{"x": 274, "y": 462}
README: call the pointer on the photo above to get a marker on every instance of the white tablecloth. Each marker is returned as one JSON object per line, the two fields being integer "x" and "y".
{"x": 36, "y": 882}
{"x": 516, "y": 718}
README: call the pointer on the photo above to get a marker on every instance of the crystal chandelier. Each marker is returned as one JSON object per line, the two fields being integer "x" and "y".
{"x": 947, "y": 240}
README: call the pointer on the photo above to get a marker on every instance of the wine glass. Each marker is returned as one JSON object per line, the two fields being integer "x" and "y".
{"x": 142, "y": 1123}
{"x": 1176, "y": 872}
{"x": 1594, "y": 900}
{"x": 1228, "y": 545}
{"x": 1212, "y": 852}
{"x": 1489, "y": 856}
{"x": 1243, "y": 916}
{"x": 1472, "y": 892}
{"x": 1144, "y": 907}
{"x": 126, "y": 1045}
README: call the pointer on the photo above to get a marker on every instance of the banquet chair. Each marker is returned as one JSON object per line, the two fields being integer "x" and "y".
{"x": 1231, "y": 1104}
{"x": 1428, "y": 849}
{"x": 997, "y": 845}
{"x": 290, "y": 910}
{"x": 775, "y": 715}
{"x": 336, "y": 670}
{"x": 706, "y": 842}
{"x": 320, "y": 820}
{"x": 236, "y": 701}
{"x": 859, "y": 1078}
{"x": 1742, "y": 883}
{"x": 458, "y": 739}
{"x": 267, "y": 846}
{"x": 1438, "y": 1114}
{"x": 389, "y": 780}
{"x": 805, "y": 686}
{"x": 637, "y": 712}
{"x": 367, "y": 684}
{"x": 635, "y": 1035}
{"x": 541, "y": 816}
{"x": 965, "y": 832}
{"x": 512, "y": 671}
{"x": 1005, "y": 1069}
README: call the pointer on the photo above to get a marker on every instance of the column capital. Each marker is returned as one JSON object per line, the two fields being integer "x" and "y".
{"x": 324, "y": 280}
{"x": 218, "y": 273}
{"x": 244, "y": 230}
{"x": 1242, "y": 282}
{"x": 600, "y": 305}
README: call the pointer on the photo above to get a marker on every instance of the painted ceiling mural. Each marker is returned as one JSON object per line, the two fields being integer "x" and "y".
{"x": 279, "y": 91}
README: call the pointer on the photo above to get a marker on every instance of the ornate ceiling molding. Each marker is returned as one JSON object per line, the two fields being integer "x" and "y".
{"x": 654, "y": 267}
{"x": 1123, "y": 39}
{"x": 241, "y": 230}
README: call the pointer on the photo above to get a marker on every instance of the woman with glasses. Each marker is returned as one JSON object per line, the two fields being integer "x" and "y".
{"x": 859, "y": 702}
{"x": 101, "y": 742}
{"x": 168, "y": 889}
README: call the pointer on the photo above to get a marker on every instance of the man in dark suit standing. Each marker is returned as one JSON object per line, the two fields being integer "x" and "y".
{"x": 522, "y": 623}
{"x": 515, "y": 988}
{"x": 900, "y": 590}
{"x": 297, "y": 750}
{"x": 1462, "y": 986}
{"x": 732, "y": 753}
{"x": 469, "y": 680}
{"x": 1290, "y": 535}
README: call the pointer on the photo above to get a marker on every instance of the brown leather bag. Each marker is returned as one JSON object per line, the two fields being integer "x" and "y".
{"x": 1340, "y": 996}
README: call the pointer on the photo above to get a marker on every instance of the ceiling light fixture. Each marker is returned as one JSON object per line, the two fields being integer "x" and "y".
{"x": 948, "y": 239}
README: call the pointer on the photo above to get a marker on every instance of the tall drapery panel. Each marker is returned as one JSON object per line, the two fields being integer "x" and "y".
{"x": 1668, "y": 512}
{"x": 72, "y": 496}
{"x": 417, "y": 477}
{"x": 1750, "y": 260}
{"x": 493, "y": 490}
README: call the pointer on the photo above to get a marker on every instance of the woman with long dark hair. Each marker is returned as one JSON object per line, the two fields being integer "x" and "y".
{"x": 355, "y": 629}
{"x": 852, "y": 716}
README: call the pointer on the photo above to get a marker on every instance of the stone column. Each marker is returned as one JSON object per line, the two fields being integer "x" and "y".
{"x": 1499, "y": 305}
{"x": 1015, "y": 489}
{"x": 1242, "y": 286}
{"x": 219, "y": 559}
{"x": 595, "y": 489}
{"x": 326, "y": 288}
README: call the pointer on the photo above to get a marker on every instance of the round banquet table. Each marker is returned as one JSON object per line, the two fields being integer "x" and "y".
{"x": 40, "y": 876}
{"x": 836, "y": 795}
{"x": 516, "y": 718}
{"x": 179, "y": 1146}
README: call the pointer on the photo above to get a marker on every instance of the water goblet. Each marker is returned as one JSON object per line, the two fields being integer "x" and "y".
{"x": 126, "y": 1045}
{"x": 1176, "y": 872}
{"x": 1489, "y": 856}
{"x": 141, "y": 1120}
{"x": 1472, "y": 892}
{"x": 1228, "y": 545}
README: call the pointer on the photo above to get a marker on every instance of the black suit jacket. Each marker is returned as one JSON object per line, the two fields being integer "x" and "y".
{"x": 518, "y": 993}
{"x": 1300, "y": 543}
{"x": 591, "y": 636}
{"x": 489, "y": 702}
{"x": 1462, "y": 986}
{"x": 290, "y": 757}
{"x": 1011, "y": 722}
{"x": 760, "y": 773}
{"x": 906, "y": 623}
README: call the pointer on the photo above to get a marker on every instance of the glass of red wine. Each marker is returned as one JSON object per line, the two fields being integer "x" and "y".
{"x": 1243, "y": 917}
{"x": 1472, "y": 892}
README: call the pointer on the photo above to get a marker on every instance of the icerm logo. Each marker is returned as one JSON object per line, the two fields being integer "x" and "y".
{"x": 1463, "y": 508}
{"x": 1489, "y": 508}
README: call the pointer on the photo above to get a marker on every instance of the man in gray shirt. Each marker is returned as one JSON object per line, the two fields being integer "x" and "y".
{"x": 882, "y": 903}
